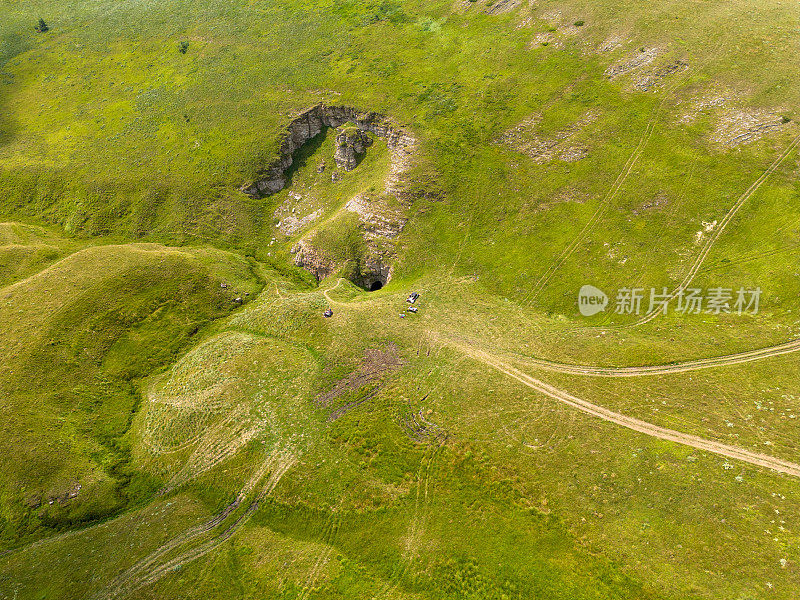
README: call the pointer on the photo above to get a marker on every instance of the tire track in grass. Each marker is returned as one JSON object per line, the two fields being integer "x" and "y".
{"x": 421, "y": 502}
{"x": 201, "y": 539}
{"x": 328, "y": 540}
{"x": 418, "y": 522}
{"x": 751, "y": 257}
{"x": 656, "y": 431}
{"x": 604, "y": 203}
{"x": 723, "y": 360}
{"x": 746, "y": 195}
{"x": 678, "y": 367}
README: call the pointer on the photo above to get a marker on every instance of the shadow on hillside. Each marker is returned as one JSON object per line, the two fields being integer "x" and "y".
{"x": 11, "y": 45}
{"x": 302, "y": 155}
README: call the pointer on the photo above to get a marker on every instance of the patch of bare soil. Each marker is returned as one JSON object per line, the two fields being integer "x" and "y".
{"x": 524, "y": 21}
{"x": 489, "y": 7}
{"x": 461, "y": 6}
{"x": 561, "y": 145}
{"x": 564, "y": 195}
{"x": 705, "y": 102}
{"x": 738, "y": 127}
{"x": 640, "y": 58}
{"x": 365, "y": 382}
{"x": 545, "y": 38}
{"x": 734, "y": 125}
{"x": 646, "y": 70}
{"x": 421, "y": 430}
{"x": 70, "y": 493}
{"x": 502, "y": 6}
{"x": 554, "y": 17}
{"x": 655, "y": 203}
{"x": 656, "y": 77}
{"x": 611, "y": 43}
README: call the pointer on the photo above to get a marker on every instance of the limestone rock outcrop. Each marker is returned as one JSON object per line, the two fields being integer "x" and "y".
{"x": 307, "y": 125}
{"x": 351, "y": 143}
{"x": 312, "y": 260}
{"x": 382, "y": 215}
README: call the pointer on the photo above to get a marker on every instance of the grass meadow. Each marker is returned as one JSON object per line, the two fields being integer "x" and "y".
{"x": 160, "y": 439}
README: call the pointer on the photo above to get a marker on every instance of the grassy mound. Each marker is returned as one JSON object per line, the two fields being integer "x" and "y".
{"x": 78, "y": 336}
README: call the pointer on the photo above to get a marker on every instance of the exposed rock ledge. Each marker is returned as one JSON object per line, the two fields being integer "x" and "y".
{"x": 350, "y": 146}
{"x": 307, "y": 125}
{"x": 382, "y": 215}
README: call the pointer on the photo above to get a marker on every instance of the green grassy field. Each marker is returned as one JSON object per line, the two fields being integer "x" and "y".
{"x": 161, "y": 439}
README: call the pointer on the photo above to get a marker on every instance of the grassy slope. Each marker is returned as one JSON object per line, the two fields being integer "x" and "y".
{"x": 25, "y": 250}
{"x": 105, "y": 317}
{"x": 367, "y": 509}
{"x": 109, "y": 131}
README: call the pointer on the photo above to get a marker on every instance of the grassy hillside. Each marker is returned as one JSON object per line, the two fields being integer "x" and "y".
{"x": 78, "y": 336}
{"x": 160, "y": 439}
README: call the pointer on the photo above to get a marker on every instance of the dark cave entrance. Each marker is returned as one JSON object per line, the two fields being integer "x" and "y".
{"x": 375, "y": 285}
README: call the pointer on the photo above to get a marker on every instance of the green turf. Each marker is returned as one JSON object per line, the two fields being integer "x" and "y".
{"x": 367, "y": 455}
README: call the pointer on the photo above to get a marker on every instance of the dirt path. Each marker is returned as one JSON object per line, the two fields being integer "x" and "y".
{"x": 330, "y": 289}
{"x": 693, "y": 441}
{"x": 679, "y": 367}
{"x": 718, "y": 231}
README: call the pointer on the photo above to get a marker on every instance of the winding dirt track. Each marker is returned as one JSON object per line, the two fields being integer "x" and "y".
{"x": 681, "y": 367}
{"x": 330, "y": 289}
{"x": 753, "y": 458}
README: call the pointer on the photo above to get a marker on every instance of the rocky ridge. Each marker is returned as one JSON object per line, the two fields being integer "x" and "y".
{"x": 382, "y": 215}
{"x": 308, "y": 124}
{"x": 351, "y": 144}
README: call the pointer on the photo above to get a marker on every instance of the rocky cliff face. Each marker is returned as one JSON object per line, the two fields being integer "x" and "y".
{"x": 308, "y": 125}
{"x": 312, "y": 260}
{"x": 382, "y": 216}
